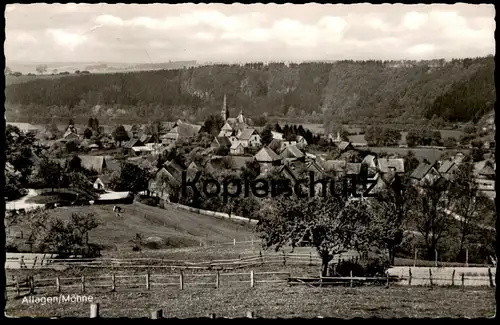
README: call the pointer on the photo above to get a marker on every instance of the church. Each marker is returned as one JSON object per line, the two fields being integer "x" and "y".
{"x": 233, "y": 125}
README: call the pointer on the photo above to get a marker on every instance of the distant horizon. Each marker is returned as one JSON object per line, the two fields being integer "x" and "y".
{"x": 242, "y": 62}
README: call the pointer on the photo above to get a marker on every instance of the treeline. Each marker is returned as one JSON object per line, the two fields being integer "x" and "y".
{"x": 347, "y": 91}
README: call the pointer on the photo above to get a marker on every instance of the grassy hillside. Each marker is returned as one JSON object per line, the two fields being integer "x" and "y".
{"x": 177, "y": 228}
{"x": 347, "y": 90}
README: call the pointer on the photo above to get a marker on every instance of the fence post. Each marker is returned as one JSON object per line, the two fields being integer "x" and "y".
{"x": 58, "y": 284}
{"x": 83, "y": 283}
{"x": 261, "y": 258}
{"x": 491, "y": 277}
{"x": 18, "y": 288}
{"x": 34, "y": 262}
{"x": 94, "y": 310}
{"x": 310, "y": 259}
{"x": 387, "y": 279}
{"x": 436, "y": 258}
{"x": 466, "y": 257}
{"x": 249, "y": 314}
{"x": 252, "y": 282}
{"x": 32, "y": 284}
{"x": 234, "y": 242}
{"x": 409, "y": 274}
{"x": 463, "y": 280}
{"x": 320, "y": 279}
{"x": 430, "y": 276}
{"x": 351, "y": 278}
{"x": 157, "y": 314}
{"x": 453, "y": 278}
{"x": 415, "y": 259}
{"x": 284, "y": 258}
{"x": 181, "y": 281}
{"x": 217, "y": 280}
{"x": 113, "y": 282}
{"x": 148, "y": 284}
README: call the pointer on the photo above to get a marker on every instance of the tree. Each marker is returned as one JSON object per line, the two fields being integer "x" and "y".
{"x": 319, "y": 220}
{"x": 120, "y": 135}
{"x": 50, "y": 173}
{"x": 75, "y": 163}
{"x": 411, "y": 162}
{"x": 41, "y": 69}
{"x": 71, "y": 122}
{"x": 212, "y": 125}
{"x": 250, "y": 170}
{"x": 391, "y": 208}
{"x": 87, "y": 134}
{"x": 267, "y": 135}
{"x": 468, "y": 203}
{"x": 428, "y": 214}
{"x": 278, "y": 128}
{"x": 132, "y": 178}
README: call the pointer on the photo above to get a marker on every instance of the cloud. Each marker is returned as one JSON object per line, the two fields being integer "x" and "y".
{"x": 66, "y": 40}
{"x": 216, "y": 32}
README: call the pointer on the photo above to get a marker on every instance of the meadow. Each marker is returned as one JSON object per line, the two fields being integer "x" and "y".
{"x": 277, "y": 301}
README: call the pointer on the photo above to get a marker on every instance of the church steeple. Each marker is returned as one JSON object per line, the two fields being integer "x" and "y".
{"x": 223, "y": 112}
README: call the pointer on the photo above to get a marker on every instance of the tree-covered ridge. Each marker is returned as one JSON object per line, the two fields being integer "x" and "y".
{"x": 458, "y": 91}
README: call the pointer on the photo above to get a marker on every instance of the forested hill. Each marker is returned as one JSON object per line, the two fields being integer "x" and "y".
{"x": 352, "y": 91}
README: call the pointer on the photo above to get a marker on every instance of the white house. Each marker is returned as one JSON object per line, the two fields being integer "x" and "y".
{"x": 277, "y": 135}
{"x": 237, "y": 148}
{"x": 249, "y": 138}
{"x": 226, "y": 131}
{"x": 301, "y": 141}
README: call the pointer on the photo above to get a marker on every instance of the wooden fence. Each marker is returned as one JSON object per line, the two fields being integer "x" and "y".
{"x": 260, "y": 259}
{"x": 145, "y": 281}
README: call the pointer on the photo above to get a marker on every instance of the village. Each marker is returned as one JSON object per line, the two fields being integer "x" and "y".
{"x": 239, "y": 143}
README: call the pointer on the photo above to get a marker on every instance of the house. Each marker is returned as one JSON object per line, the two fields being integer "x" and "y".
{"x": 147, "y": 139}
{"x": 94, "y": 147}
{"x": 226, "y": 130}
{"x": 391, "y": 164}
{"x": 221, "y": 142}
{"x": 338, "y": 167}
{"x": 24, "y": 127}
{"x": 486, "y": 187}
{"x": 345, "y": 146}
{"x": 181, "y": 131}
{"x": 292, "y": 153}
{"x": 267, "y": 158}
{"x": 249, "y": 138}
{"x": 353, "y": 168}
{"x": 484, "y": 170}
{"x": 277, "y": 135}
{"x": 301, "y": 141}
{"x": 102, "y": 182}
{"x": 447, "y": 169}
{"x": 135, "y": 142}
{"x": 385, "y": 181}
{"x": 69, "y": 136}
{"x": 96, "y": 163}
{"x": 237, "y": 148}
{"x": 489, "y": 141}
{"x": 141, "y": 150}
{"x": 424, "y": 174}
{"x": 285, "y": 144}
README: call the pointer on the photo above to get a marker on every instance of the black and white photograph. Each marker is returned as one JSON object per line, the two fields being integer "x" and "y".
{"x": 250, "y": 161}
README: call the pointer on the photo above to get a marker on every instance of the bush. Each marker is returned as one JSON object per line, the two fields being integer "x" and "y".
{"x": 372, "y": 267}
{"x": 152, "y": 201}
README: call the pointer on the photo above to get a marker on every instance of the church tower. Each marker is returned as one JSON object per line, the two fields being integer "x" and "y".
{"x": 224, "y": 112}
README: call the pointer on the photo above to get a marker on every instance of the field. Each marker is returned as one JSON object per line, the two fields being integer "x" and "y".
{"x": 272, "y": 301}
{"x": 176, "y": 228}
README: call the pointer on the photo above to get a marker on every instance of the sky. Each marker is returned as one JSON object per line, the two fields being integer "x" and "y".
{"x": 246, "y": 33}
